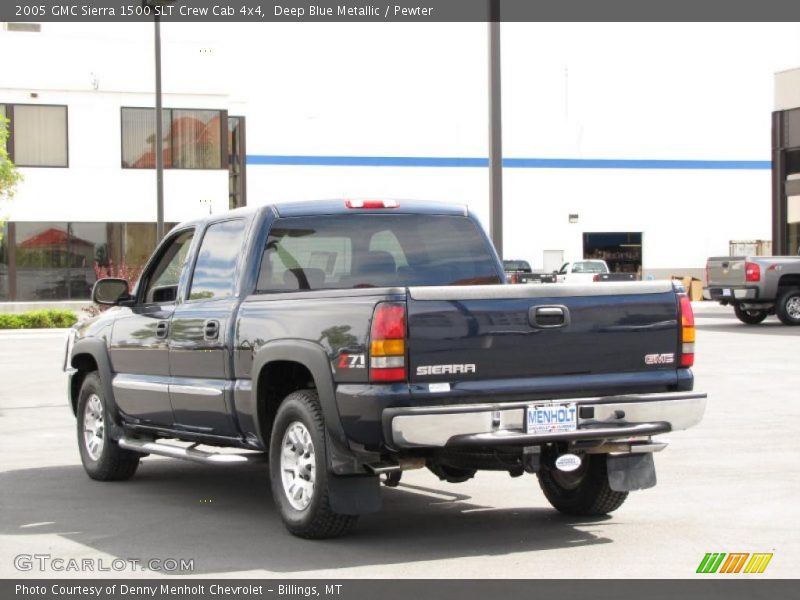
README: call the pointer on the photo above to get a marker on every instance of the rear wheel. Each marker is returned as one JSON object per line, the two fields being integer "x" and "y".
{"x": 298, "y": 469}
{"x": 750, "y": 317}
{"x": 583, "y": 492}
{"x": 788, "y": 307}
{"x": 101, "y": 456}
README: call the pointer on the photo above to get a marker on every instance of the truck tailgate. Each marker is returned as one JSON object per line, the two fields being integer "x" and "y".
{"x": 502, "y": 332}
{"x": 726, "y": 270}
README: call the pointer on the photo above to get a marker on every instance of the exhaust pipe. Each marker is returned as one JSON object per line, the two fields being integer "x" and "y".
{"x": 404, "y": 464}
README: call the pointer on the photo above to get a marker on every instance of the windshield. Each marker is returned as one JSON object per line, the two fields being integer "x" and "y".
{"x": 380, "y": 250}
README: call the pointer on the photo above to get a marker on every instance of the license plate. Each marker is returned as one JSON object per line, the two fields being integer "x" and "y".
{"x": 726, "y": 292}
{"x": 551, "y": 418}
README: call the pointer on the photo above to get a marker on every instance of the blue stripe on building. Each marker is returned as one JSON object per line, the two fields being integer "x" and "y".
{"x": 509, "y": 163}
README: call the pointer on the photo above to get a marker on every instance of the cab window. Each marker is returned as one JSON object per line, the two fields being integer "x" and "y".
{"x": 161, "y": 284}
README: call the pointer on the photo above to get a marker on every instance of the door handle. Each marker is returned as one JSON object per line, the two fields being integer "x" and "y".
{"x": 546, "y": 317}
{"x": 211, "y": 329}
{"x": 162, "y": 328}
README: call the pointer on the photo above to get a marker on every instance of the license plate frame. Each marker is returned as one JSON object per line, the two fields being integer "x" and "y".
{"x": 551, "y": 417}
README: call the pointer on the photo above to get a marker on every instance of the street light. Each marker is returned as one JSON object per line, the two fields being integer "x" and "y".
{"x": 154, "y": 5}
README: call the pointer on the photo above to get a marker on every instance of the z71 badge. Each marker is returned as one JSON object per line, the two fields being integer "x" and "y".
{"x": 659, "y": 359}
{"x": 352, "y": 361}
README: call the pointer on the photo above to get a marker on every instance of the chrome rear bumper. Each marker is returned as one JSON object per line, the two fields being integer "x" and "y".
{"x": 602, "y": 418}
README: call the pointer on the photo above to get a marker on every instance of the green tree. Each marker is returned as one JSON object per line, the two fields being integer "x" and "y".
{"x": 9, "y": 175}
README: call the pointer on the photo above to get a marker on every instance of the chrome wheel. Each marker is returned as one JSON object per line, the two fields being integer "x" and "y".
{"x": 94, "y": 427}
{"x": 298, "y": 470}
{"x": 793, "y": 307}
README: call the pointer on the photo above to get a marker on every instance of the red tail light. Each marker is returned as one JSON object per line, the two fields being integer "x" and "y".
{"x": 707, "y": 278}
{"x": 752, "y": 272}
{"x": 387, "y": 336}
{"x": 687, "y": 331}
{"x": 514, "y": 278}
{"x": 596, "y": 277}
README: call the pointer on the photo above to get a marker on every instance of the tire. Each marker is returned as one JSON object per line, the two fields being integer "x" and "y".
{"x": 101, "y": 456}
{"x": 788, "y": 307}
{"x": 584, "y": 492}
{"x": 298, "y": 470}
{"x": 749, "y": 317}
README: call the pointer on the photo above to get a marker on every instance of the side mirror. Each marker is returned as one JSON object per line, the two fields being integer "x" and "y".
{"x": 110, "y": 291}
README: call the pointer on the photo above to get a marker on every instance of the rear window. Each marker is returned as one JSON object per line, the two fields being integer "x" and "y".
{"x": 361, "y": 251}
{"x": 588, "y": 267}
{"x": 517, "y": 265}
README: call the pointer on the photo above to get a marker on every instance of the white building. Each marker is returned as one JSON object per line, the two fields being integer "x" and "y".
{"x": 657, "y": 132}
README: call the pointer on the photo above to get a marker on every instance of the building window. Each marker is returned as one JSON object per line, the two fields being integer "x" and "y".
{"x": 61, "y": 261}
{"x": 38, "y": 135}
{"x": 192, "y": 138}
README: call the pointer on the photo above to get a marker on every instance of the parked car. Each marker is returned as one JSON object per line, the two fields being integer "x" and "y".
{"x": 587, "y": 271}
{"x": 519, "y": 271}
{"x": 345, "y": 341}
{"x": 756, "y": 286}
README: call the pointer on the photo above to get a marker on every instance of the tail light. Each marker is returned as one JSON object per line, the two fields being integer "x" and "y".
{"x": 596, "y": 277}
{"x": 687, "y": 332}
{"x": 752, "y": 272}
{"x": 514, "y": 278}
{"x": 708, "y": 279}
{"x": 387, "y": 349}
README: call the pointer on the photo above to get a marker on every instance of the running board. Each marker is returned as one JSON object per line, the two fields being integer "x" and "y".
{"x": 190, "y": 453}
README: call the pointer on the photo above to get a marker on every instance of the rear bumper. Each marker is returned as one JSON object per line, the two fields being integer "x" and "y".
{"x": 604, "y": 418}
{"x": 729, "y": 293}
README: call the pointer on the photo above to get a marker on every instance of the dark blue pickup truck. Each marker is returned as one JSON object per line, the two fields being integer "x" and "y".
{"x": 348, "y": 341}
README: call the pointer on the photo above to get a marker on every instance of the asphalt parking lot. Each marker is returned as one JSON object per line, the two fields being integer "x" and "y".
{"x": 730, "y": 485}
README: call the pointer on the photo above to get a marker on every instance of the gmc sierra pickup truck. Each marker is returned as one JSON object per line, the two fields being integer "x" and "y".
{"x": 756, "y": 286}
{"x": 347, "y": 341}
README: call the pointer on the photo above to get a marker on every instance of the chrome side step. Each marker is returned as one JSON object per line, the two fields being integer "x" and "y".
{"x": 190, "y": 453}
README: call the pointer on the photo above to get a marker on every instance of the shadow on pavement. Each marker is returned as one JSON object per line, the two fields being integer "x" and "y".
{"x": 225, "y": 520}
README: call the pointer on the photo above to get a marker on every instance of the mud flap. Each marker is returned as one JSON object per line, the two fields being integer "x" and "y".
{"x": 354, "y": 495}
{"x": 628, "y": 472}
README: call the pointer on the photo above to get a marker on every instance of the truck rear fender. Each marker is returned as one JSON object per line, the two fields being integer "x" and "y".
{"x": 307, "y": 365}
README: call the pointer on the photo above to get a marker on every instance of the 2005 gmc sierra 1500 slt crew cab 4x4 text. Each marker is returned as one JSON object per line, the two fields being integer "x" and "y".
{"x": 347, "y": 341}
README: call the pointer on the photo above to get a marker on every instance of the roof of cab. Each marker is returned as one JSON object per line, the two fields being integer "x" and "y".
{"x": 338, "y": 207}
{"x": 313, "y": 208}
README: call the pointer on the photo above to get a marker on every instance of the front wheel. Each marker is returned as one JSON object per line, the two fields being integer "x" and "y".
{"x": 298, "y": 469}
{"x": 101, "y": 456}
{"x": 583, "y": 492}
{"x": 788, "y": 307}
{"x": 750, "y": 317}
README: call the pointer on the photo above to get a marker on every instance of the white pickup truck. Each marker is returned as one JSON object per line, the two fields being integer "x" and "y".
{"x": 587, "y": 271}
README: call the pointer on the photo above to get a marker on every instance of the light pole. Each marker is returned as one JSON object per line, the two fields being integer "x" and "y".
{"x": 154, "y": 6}
{"x": 495, "y": 131}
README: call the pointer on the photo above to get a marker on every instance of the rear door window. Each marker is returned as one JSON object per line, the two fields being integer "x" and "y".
{"x": 358, "y": 251}
{"x": 215, "y": 270}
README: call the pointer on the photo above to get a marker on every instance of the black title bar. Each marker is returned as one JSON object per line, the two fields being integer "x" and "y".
{"x": 38, "y": 11}
{"x": 709, "y": 588}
